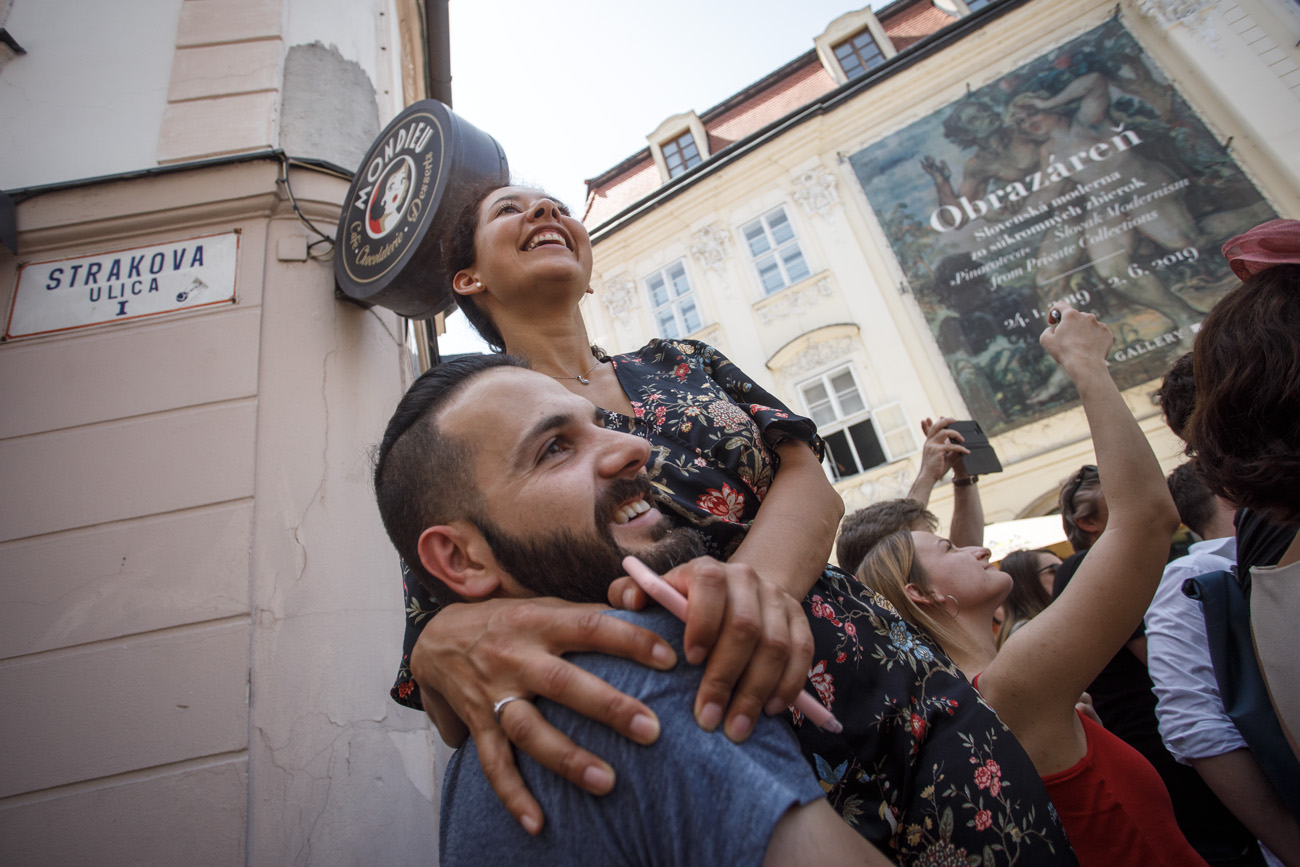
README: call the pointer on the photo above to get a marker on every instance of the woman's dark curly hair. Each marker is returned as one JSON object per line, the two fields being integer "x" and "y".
{"x": 459, "y": 253}
{"x": 1177, "y": 394}
{"x": 1245, "y": 428}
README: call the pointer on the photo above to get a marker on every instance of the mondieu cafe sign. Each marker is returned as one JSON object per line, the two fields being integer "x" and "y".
{"x": 411, "y": 184}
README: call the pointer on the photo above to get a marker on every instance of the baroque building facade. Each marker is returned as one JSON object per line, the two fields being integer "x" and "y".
{"x": 875, "y": 230}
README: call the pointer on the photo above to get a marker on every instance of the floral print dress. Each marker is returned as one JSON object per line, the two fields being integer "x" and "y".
{"x": 924, "y": 768}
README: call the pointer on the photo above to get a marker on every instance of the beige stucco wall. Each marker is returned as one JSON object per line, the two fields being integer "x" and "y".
{"x": 200, "y": 612}
{"x": 1235, "y": 63}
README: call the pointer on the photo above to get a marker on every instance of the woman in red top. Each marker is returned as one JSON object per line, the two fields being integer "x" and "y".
{"x": 1113, "y": 804}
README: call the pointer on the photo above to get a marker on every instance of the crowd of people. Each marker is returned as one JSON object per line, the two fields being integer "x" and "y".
{"x": 1029, "y": 712}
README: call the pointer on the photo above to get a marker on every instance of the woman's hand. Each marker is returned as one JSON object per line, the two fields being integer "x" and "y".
{"x": 943, "y": 451}
{"x": 754, "y": 635}
{"x": 483, "y": 652}
{"x": 1085, "y": 706}
{"x": 1077, "y": 341}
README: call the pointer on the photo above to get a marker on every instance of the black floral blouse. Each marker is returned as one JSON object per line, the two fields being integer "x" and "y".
{"x": 924, "y": 768}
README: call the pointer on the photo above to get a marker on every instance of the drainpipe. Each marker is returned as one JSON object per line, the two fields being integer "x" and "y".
{"x": 438, "y": 46}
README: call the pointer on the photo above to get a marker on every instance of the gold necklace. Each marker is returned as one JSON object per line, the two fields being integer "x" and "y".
{"x": 582, "y": 377}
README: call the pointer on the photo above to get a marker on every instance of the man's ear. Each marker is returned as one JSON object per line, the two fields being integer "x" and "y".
{"x": 1089, "y": 525}
{"x": 458, "y": 556}
{"x": 465, "y": 283}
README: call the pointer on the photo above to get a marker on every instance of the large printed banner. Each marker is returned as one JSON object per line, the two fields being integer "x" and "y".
{"x": 1081, "y": 175}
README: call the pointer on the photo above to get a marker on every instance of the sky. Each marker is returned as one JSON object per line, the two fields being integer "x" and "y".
{"x": 572, "y": 88}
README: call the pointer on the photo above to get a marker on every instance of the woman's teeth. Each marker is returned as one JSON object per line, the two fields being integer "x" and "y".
{"x": 630, "y": 511}
{"x": 545, "y": 238}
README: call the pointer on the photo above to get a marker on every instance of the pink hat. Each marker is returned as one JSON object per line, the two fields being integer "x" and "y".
{"x": 1276, "y": 242}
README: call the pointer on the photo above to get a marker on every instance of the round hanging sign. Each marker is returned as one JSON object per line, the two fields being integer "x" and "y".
{"x": 411, "y": 183}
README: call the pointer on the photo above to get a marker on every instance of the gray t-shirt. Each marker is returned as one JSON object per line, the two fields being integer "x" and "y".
{"x": 692, "y": 797}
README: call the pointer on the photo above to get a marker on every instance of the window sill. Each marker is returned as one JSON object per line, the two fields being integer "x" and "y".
{"x": 795, "y": 299}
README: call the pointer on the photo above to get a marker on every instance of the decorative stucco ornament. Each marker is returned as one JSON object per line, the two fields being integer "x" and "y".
{"x": 818, "y": 354}
{"x": 797, "y": 302}
{"x": 710, "y": 246}
{"x": 619, "y": 297}
{"x": 1195, "y": 15}
{"x": 816, "y": 191}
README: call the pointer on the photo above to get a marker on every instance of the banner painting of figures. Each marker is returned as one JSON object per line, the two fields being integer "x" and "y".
{"x": 1081, "y": 175}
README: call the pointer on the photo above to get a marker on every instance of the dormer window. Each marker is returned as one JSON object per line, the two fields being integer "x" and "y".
{"x": 858, "y": 54}
{"x": 681, "y": 154}
{"x": 680, "y": 144}
{"x": 852, "y": 45}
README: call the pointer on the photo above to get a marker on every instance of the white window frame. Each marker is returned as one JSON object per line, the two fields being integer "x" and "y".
{"x": 846, "y": 27}
{"x": 676, "y": 146}
{"x": 865, "y": 67}
{"x": 895, "y": 442}
{"x": 672, "y": 129}
{"x": 674, "y": 302}
{"x": 775, "y": 251}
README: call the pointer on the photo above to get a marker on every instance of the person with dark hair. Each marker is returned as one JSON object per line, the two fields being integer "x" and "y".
{"x": 1083, "y": 508}
{"x": 494, "y": 482}
{"x": 862, "y": 530}
{"x": 1031, "y": 588}
{"x": 942, "y": 451}
{"x": 1245, "y": 437}
{"x": 1177, "y": 394}
{"x": 728, "y": 460}
{"x": 1194, "y": 724}
{"x": 1113, "y": 803}
{"x": 1121, "y": 689}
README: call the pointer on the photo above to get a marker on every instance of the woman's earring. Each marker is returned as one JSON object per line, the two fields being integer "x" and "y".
{"x": 954, "y": 602}
{"x": 478, "y": 284}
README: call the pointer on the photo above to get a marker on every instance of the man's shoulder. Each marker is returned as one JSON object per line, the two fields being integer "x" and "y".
{"x": 722, "y": 799}
{"x": 657, "y": 620}
{"x": 1169, "y": 601}
{"x": 1209, "y": 555}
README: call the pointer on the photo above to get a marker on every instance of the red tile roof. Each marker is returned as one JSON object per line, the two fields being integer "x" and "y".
{"x": 913, "y": 23}
{"x": 781, "y": 93}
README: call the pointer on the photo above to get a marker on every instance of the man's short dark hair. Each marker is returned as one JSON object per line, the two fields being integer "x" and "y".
{"x": 1176, "y": 395}
{"x": 423, "y": 477}
{"x": 1195, "y": 501}
{"x": 862, "y": 530}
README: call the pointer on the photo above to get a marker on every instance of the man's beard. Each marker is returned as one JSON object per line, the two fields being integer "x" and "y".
{"x": 580, "y": 567}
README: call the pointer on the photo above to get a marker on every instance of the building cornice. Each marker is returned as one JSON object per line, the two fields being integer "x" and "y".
{"x": 21, "y": 194}
{"x": 176, "y": 198}
{"x": 825, "y": 104}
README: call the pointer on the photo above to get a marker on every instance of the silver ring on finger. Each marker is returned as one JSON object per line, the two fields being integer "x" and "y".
{"x": 496, "y": 708}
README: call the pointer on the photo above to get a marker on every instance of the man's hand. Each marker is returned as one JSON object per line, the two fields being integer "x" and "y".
{"x": 755, "y": 637}
{"x": 943, "y": 451}
{"x": 481, "y": 653}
